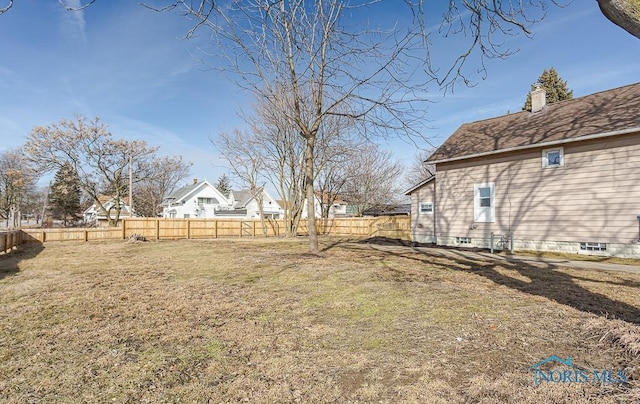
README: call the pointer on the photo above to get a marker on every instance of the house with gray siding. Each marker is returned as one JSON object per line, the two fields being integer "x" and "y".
{"x": 561, "y": 177}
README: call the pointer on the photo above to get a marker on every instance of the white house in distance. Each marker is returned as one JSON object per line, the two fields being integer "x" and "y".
{"x": 95, "y": 216}
{"x": 248, "y": 206}
{"x": 203, "y": 200}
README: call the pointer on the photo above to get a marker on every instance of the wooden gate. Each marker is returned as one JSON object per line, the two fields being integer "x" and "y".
{"x": 247, "y": 229}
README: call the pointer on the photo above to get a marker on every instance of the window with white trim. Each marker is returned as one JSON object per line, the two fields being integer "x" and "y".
{"x": 553, "y": 157}
{"x": 484, "y": 210}
{"x": 426, "y": 208}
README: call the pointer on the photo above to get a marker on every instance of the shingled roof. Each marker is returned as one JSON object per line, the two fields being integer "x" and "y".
{"x": 605, "y": 113}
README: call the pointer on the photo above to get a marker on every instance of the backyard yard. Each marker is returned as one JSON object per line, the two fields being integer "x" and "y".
{"x": 259, "y": 320}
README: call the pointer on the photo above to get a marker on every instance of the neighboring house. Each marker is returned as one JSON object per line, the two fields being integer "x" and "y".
{"x": 244, "y": 201}
{"x": 198, "y": 200}
{"x": 339, "y": 207}
{"x": 94, "y": 215}
{"x": 316, "y": 207}
{"x": 564, "y": 177}
{"x": 203, "y": 200}
{"x": 402, "y": 209}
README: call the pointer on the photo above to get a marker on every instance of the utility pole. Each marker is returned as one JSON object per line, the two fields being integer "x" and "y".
{"x": 130, "y": 185}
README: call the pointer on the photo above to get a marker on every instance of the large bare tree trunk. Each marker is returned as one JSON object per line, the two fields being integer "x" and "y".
{"x": 311, "y": 206}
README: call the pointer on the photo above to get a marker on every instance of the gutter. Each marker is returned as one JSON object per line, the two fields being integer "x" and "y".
{"x": 538, "y": 145}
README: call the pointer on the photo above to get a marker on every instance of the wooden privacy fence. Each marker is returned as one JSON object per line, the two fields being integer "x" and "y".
{"x": 10, "y": 240}
{"x": 172, "y": 229}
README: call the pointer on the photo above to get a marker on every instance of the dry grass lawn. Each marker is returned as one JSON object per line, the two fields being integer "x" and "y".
{"x": 262, "y": 321}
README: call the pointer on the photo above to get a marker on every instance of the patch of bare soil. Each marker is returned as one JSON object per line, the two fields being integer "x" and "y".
{"x": 261, "y": 321}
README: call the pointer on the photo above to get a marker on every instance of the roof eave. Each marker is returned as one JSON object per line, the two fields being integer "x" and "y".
{"x": 538, "y": 145}
{"x": 420, "y": 184}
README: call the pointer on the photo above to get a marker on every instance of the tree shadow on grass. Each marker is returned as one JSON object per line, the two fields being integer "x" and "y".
{"x": 10, "y": 261}
{"x": 544, "y": 279}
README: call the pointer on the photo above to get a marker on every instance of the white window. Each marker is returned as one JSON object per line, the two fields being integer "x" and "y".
{"x": 206, "y": 201}
{"x": 553, "y": 158}
{"x": 484, "y": 210}
{"x": 426, "y": 208}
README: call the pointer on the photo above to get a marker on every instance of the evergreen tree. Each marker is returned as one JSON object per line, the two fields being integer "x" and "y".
{"x": 64, "y": 196}
{"x": 555, "y": 87}
{"x": 224, "y": 185}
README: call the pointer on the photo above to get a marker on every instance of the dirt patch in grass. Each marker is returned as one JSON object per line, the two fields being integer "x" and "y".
{"x": 261, "y": 321}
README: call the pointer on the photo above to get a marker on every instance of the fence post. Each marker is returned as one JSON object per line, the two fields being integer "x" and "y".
{"x": 124, "y": 225}
{"x": 86, "y": 235}
{"x": 188, "y": 229}
{"x": 215, "y": 228}
{"x": 157, "y": 229}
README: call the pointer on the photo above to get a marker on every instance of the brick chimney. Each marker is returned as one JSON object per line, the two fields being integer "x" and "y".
{"x": 538, "y": 98}
{"x": 195, "y": 180}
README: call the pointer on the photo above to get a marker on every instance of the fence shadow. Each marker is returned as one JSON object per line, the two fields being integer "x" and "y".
{"x": 544, "y": 279}
{"x": 10, "y": 262}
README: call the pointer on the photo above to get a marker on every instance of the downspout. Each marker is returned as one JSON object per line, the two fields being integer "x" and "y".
{"x": 435, "y": 206}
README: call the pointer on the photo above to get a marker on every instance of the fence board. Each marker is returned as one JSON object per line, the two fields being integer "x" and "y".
{"x": 172, "y": 229}
{"x": 10, "y": 240}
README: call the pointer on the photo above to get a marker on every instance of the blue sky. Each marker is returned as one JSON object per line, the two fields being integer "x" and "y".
{"x": 129, "y": 66}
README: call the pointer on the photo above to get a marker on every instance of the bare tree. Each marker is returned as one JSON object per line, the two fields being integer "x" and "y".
{"x": 101, "y": 162}
{"x": 418, "y": 170}
{"x": 281, "y": 151}
{"x": 149, "y": 193}
{"x": 243, "y": 153}
{"x": 308, "y": 54}
{"x": 305, "y": 60}
{"x": 17, "y": 182}
{"x": 373, "y": 180}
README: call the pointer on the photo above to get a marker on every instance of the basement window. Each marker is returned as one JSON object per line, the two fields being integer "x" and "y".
{"x": 553, "y": 158}
{"x": 593, "y": 246}
{"x": 463, "y": 240}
